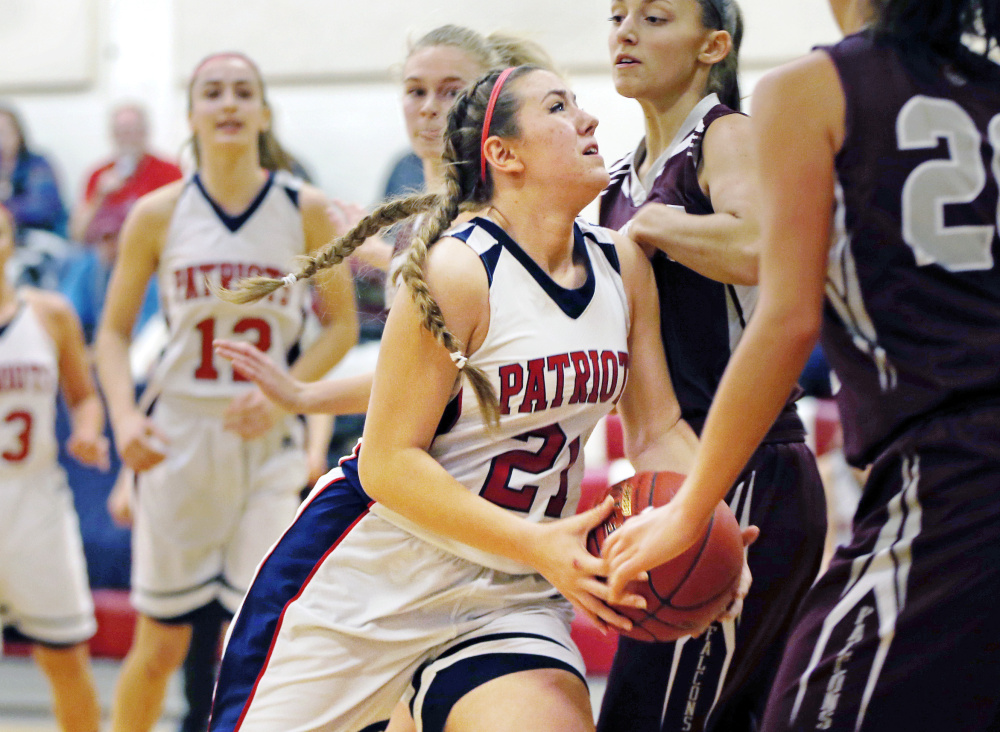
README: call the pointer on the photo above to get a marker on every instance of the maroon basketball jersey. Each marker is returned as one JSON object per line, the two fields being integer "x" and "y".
{"x": 702, "y": 320}
{"x": 912, "y": 320}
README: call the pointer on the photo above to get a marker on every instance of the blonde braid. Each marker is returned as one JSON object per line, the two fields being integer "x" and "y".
{"x": 412, "y": 274}
{"x": 252, "y": 289}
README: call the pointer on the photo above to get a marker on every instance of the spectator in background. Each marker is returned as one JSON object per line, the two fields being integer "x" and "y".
{"x": 84, "y": 280}
{"x": 117, "y": 183}
{"x": 30, "y": 191}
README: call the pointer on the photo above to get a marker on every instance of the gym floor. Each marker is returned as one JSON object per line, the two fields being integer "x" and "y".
{"x": 24, "y": 696}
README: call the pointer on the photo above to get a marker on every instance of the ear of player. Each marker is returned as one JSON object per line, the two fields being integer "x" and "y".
{"x": 686, "y": 593}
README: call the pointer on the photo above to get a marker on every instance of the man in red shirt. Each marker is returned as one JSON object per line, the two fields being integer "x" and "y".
{"x": 117, "y": 183}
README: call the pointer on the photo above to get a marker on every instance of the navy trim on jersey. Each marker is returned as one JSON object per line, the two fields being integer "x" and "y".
{"x": 489, "y": 259}
{"x": 233, "y": 223}
{"x": 293, "y": 195}
{"x": 281, "y": 578}
{"x": 571, "y": 302}
{"x": 609, "y": 250}
{"x": 450, "y": 416}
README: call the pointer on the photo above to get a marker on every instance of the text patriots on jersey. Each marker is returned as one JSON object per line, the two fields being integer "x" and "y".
{"x": 543, "y": 383}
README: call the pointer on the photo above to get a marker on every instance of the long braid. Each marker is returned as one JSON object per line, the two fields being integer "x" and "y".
{"x": 252, "y": 289}
{"x": 412, "y": 274}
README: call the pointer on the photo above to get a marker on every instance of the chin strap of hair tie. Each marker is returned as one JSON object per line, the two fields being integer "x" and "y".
{"x": 459, "y": 359}
{"x": 289, "y": 279}
{"x": 488, "y": 119}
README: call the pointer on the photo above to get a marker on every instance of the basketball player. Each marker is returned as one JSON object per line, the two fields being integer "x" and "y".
{"x": 687, "y": 195}
{"x": 430, "y": 563}
{"x": 44, "y": 591}
{"x": 894, "y": 191}
{"x": 218, "y": 466}
{"x": 437, "y": 68}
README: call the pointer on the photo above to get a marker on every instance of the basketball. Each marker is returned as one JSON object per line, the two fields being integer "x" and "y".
{"x": 691, "y": 589}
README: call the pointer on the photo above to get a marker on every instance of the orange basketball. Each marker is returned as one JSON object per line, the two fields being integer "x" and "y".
{"x": 691, "y": 589}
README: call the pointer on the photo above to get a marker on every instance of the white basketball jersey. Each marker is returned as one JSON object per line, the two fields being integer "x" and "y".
{"x": 205, "y": 244}
{"x": 29, "y": 380}
{"x": 558, "y": 360}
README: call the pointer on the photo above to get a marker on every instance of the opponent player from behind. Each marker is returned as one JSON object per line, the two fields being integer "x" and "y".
{"x": 219, "y": 467}
{"x": 446, "y": 580}
{"x": 43, "y": 574}
{"x": 894, "y": 192}
{"x": 688, "y": 196}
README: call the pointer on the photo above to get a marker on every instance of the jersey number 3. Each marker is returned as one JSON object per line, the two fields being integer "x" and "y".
{"x": 958, "y": 179}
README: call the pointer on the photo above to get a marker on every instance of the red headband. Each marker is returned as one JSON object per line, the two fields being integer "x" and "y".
{"x": 488, "y": 120}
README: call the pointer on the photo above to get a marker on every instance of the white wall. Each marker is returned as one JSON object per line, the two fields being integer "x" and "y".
{"x": 328, "y": 64}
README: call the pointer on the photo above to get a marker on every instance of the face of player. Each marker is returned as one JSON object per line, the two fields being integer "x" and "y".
{"x": 227, "y": 104}
{"x": 655, "y": 46}
{"x": 432, "y": 78}
{"x": 556, "y": 142}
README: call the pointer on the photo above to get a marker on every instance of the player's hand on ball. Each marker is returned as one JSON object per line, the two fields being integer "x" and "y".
{"x": 140, "y": 442}
{"x": 735, "y": 607}
{"x": 654, "y": 537}
{"x": 250, "y": 415}
{"x": 560, "y": 555}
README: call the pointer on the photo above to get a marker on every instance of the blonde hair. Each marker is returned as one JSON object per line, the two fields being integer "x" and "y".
{"x": 463, "y": 188}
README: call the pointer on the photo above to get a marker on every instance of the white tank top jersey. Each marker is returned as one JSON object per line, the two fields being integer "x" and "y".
{"x": 558, "y": 360}
{"x": 29, "y": 380}
{"x": 205, "y": 244}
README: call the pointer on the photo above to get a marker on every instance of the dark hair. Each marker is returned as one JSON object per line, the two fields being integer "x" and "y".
{"x": 272, "y": 155}
{"x": 723, "y": 79}
{"x": 928, "y": 32}
{"x": 463, "y": 189}
{"x": 15, "y": 118}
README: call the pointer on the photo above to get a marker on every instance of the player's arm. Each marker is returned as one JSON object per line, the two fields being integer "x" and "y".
{"x": 345, "y": 395}
{"x": 656, "y": 438}
{"x": 87, "y": 442}
{"x": 334, "y": 290}
{"x": 723, "y": 245}
{"x": 139, "y": 247}
{"x": 409, "y": 395}
{"x": 798, "y": 128}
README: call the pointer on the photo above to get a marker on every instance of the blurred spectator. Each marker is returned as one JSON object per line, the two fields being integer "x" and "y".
{"x": 28, "y": 186}
{"x": 29, "y": 189}
{"x": 86, "y": 274}
{"x": 117, "y": 183}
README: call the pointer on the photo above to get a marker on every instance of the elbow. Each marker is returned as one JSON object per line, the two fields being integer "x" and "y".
{"x": 801, "y": 330}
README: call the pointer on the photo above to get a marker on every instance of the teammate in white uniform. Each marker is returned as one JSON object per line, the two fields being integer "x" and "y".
{"x": 44, "y": 591}
{"x": 218, "y": 466}
{"x": 431, "y": 566}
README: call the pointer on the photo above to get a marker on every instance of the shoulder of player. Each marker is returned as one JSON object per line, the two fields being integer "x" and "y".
{"x": 728, "y": 134}
{"x": 52, "y": 308}
{"x": 312, "y": 199}
{"x": 805, "y": 94}
{"x": 456, "y": 277}
{"x": 633, "y": 262}
{"x": 157, "y": 207}
{"x": 804, "y": 82}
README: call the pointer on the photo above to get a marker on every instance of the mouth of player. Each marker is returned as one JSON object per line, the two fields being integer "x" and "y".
{"x": 591, "y": 149}
{"x": 623, "y": 61}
